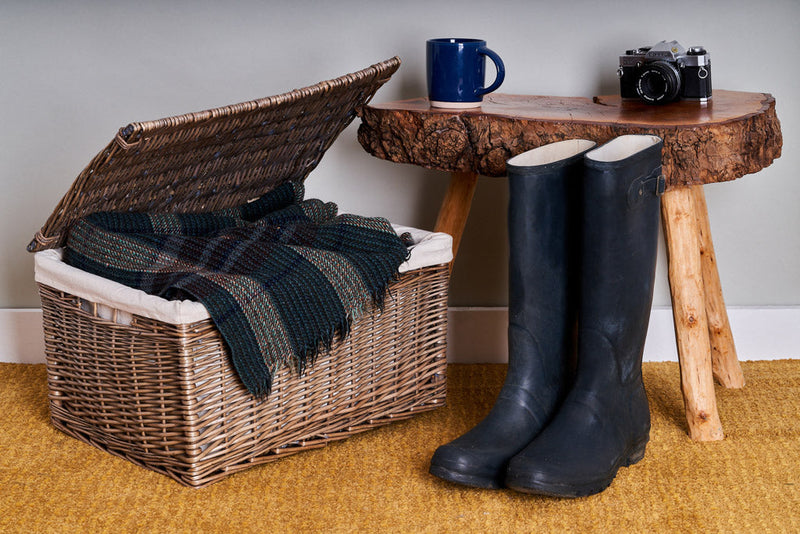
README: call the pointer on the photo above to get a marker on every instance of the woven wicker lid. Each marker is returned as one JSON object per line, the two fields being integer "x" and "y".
{"x": 217, "y": 158}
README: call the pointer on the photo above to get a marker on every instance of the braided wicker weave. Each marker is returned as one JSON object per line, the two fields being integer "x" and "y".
{"x": 217, "y": 158}
{"x": 166, "y": 396}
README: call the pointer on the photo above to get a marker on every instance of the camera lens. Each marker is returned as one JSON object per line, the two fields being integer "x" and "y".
{"x": 658, "y": 82}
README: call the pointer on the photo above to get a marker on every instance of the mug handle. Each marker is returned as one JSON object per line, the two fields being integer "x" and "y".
{"x": 501, "y": 71}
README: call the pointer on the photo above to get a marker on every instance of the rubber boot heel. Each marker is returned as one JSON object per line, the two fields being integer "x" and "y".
{"x": 636, "y": 454}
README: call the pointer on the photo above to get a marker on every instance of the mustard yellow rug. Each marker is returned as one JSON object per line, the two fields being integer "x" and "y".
{"x": 378, "y": 481}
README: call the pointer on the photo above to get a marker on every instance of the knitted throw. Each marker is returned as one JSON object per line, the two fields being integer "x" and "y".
{"x": 280, "y": 276}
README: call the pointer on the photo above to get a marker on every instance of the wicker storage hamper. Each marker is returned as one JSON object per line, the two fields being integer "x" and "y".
{"x": 150, "y": 380}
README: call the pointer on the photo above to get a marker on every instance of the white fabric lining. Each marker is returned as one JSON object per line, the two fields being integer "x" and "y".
{"x": 622, "y": 147}
{"x": 117, "y": 302}
{"x": 551, "y": 153}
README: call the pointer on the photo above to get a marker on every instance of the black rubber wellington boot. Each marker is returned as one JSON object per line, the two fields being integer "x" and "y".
{"x": 604, "y": 423}
{"x": 543, "y": 238}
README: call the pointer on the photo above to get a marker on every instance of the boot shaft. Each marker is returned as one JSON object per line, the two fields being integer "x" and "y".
{"x": 621, "y": 203}
{"x": 544, "y": 236}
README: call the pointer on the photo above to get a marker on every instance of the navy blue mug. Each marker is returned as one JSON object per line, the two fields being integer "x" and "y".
{"x": 456, "y": 72}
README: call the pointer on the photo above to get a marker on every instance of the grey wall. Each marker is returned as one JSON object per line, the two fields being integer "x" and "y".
{"x": 72, "y": 73}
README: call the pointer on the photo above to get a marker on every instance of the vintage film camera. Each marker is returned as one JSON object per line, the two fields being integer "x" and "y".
{"x": 665, "y": 72}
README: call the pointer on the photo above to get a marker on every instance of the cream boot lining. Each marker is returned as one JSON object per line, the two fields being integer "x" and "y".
{"x": 622, "y": 147}
{"x": 551, "y": 153}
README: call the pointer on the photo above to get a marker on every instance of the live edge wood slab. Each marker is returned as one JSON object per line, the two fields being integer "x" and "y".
{"x": 734, "y": 134}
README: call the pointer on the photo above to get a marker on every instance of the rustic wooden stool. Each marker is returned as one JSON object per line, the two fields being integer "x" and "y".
{"x": 732, "y": 135}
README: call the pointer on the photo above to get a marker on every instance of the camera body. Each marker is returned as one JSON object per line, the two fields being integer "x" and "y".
{"x": 665, "y": 72}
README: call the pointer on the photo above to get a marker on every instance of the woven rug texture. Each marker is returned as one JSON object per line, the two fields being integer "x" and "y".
{"x": 378, "y": 481}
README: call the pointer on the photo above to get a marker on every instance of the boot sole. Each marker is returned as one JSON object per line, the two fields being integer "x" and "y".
{"x": 525, "y": 484}
{"x": 464, "y": 479}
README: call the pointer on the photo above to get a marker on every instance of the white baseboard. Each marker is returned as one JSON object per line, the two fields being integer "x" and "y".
{"x": 478, "y": 335}
{"x": 21, "y": 336}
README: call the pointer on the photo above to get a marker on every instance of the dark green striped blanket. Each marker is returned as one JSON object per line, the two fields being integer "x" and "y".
{"x": 280, "y": 276}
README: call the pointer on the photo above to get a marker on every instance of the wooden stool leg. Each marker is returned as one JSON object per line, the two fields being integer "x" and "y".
{"x": 455, "y": 206}
{"x": 724, "y": 363}
{"x": 689, "y": 313}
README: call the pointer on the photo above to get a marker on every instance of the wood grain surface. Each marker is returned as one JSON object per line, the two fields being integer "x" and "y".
{"x": 732, "y": 135}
